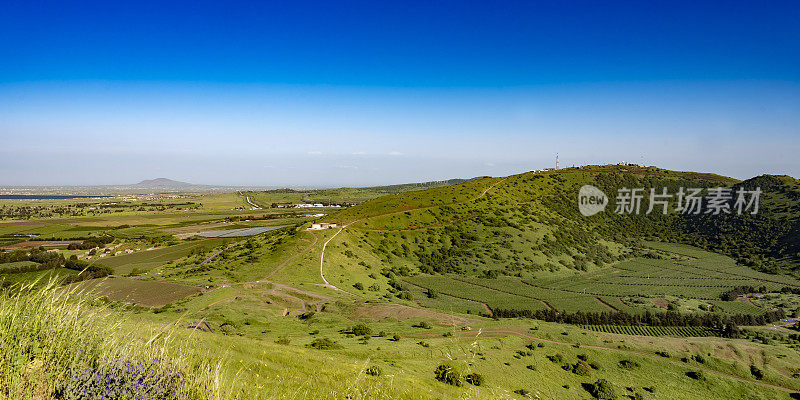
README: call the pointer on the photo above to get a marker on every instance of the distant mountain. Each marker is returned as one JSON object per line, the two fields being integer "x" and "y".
{"x": 164, "y": 183}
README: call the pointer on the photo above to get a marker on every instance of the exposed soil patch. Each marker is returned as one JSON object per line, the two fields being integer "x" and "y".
{"x": 45, "y": 243}
{"x": 21, "y": 223}
{"x": 660, "y": 303}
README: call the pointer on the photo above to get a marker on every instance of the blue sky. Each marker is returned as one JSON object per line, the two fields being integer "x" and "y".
{"x": 360, "y": 93}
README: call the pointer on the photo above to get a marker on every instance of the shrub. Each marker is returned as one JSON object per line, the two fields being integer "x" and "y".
{"x": 324, "y": 344}
{"x": 423, "y": 325}
{"x": 582, "y": 368}
{"x": 448, "y": 374}
{"x": 306, "y": 315}
{"x": 757, "y": 372}
{"x": 474, "y": 378}
{"x": 361, "y": 330}
{"x": 405, "y": 295}
{"x": 603, "y": 390}
{"x": 628, "y": 364}
{"x": 373, "y": 370}
{"x": 358, "y": 285}
{"x": 698, "y": 375}
{"x": 556, "y": 358}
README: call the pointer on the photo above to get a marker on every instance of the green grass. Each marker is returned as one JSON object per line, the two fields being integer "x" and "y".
{"x": 147, "y": 293}
{"x": 149, "y": 259}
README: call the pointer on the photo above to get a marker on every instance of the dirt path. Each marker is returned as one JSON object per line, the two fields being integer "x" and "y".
{"x": 322, "y": 261}
{"x": 283, "y": 264}
{"x": 324, "y": 246}
{"x": 603, "y": 348}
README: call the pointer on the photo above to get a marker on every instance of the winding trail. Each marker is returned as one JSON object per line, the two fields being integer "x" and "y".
{"x": 322, "y": 255}
{"x": 322, "y": 261}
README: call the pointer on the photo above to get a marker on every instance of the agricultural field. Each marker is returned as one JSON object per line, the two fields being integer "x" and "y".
{"x": 676, "y": 331}
{"x": 141, "y": 292}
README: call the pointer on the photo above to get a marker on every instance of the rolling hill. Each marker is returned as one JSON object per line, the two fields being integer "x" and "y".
{"x": 520, "y": 243}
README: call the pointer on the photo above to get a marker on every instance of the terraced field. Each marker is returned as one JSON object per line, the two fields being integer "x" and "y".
{"x": 690, "y": 273}
{"x": 676, "y": 331}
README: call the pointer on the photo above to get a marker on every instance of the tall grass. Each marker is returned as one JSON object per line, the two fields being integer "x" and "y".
{"x": 50, "y": 334}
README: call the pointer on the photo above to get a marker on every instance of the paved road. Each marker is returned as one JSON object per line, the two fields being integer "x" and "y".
{"x": 247, "y": 198}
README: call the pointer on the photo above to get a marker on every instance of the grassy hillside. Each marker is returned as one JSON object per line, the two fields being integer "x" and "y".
{"x": 519, "y": 242}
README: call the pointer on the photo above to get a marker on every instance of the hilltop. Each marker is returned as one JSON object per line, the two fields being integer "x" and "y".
{"x": 164, "y": 183}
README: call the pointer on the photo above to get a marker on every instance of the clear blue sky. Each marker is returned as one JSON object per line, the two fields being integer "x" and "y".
{"x": 357, "y": 93}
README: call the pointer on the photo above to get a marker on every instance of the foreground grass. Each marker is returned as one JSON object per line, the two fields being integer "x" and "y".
{"x": 50, "y": 335}
{"x": 53, "y": 335}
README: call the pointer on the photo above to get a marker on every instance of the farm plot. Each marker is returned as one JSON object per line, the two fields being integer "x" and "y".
{"x": 144, "y": 293}
{"x": 146, "y": 260}
{"x": 642, "y": 330}
{"x": 467, "y": 291}
{"x": 737, "y": 307}
{"x": 558, "y": 300}
{"x": 243, "y": 232}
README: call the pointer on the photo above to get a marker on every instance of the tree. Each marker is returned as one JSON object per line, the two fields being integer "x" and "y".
{"x": 448, "y": 374}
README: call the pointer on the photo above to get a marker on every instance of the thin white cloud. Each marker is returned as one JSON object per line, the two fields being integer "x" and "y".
{"x": 395, "y": 153}
{"x": 314, "y": 153}
{"x": 359, "y": 153}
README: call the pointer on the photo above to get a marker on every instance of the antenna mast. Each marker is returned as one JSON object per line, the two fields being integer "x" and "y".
{"x": 556, "y": 160}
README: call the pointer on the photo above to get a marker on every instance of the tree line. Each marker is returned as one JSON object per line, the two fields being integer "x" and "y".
{"x": 725, "y": 324}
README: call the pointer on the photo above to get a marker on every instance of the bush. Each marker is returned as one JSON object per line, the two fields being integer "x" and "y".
{"x": 324, "y": 344}
{"x": 423, "y": 325}
{"x": 556, "y": 358}
{"x": 757, "y": 372}
{"x": 361, "y": 330}
{"x": 373, "y": 370}
{"x": 582, "y": 368}
{"x": 448, "y": 374}
{"x": 698, "y": 375}
{"x": 474, "y": 379}
{"x": 628, "y": 364}
{"x": 602, "y": 389}
{"x": 358, "y": 285}
{"x": 405, "y": 295}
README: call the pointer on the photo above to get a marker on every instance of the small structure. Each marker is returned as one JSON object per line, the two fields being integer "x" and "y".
{"x": 322, "y": 225}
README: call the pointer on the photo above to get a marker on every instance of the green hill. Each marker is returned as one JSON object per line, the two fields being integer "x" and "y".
{"x": 520, "y": 242}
